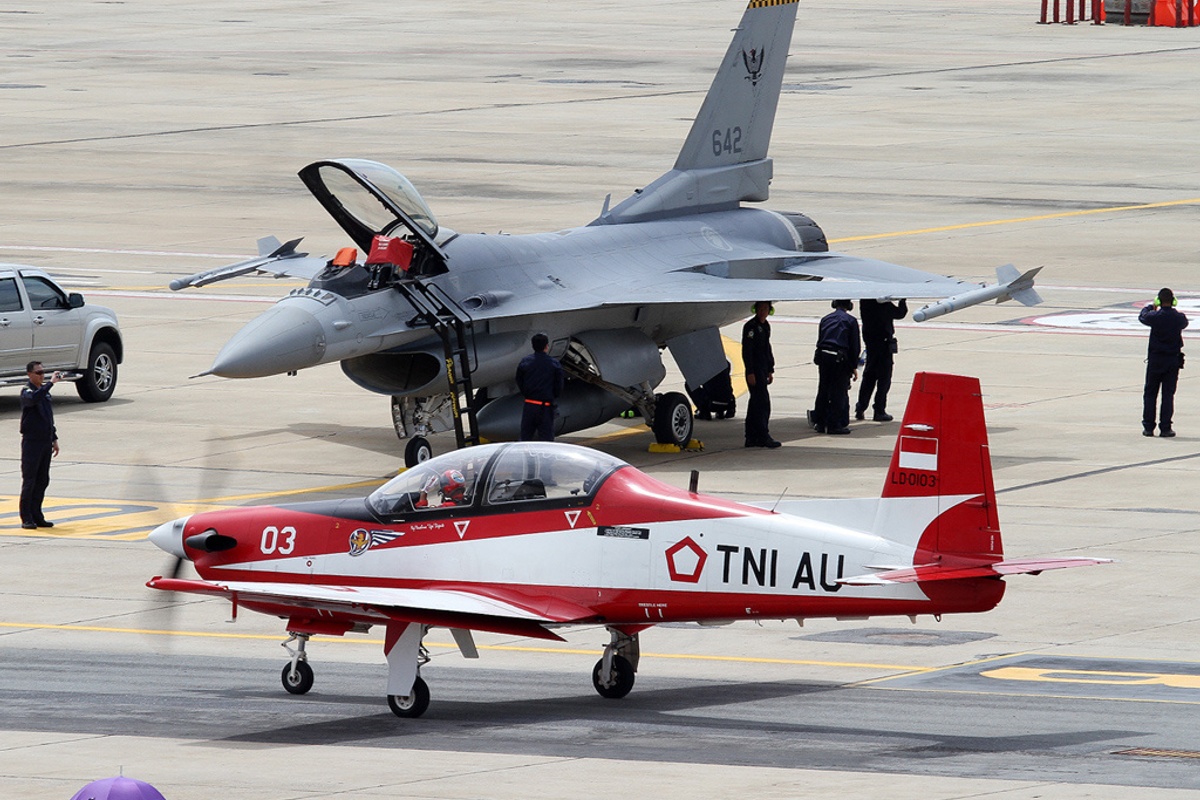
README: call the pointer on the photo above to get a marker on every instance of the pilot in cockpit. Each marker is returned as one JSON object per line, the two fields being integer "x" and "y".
{"x": 450, "y": 484}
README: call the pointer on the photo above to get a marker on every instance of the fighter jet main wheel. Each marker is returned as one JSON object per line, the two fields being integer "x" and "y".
{"x": 412, "y": 706}
{"x": 621, "y": 681}
{"x": 417, "y": 450}
{"x": 673, "y": 419}
{"x": 300, "y": 681}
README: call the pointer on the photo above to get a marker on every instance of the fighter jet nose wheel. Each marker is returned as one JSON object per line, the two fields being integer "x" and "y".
{"x": 620, "y": 681}
{"x": 298, "y": 680}
{"x": 412, "y": 706}
{"x": 673, "y": 419}
{"x": 417, "y": 450}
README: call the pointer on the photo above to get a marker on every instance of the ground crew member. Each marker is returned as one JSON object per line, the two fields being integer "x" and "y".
{"x": 39, "y": 443}
{"x": 1164, "y": 359}
{"x": 836, "y": 357}
{"x": 879, "y": 338}
{"x": 759, "y": 362}
{"x": 540, "y": 379}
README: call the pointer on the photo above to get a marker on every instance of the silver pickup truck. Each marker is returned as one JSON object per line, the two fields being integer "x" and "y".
{"x": 39, "y": 321}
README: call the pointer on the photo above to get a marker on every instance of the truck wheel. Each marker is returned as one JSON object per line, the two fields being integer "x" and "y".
{"x": 100, "y": 377}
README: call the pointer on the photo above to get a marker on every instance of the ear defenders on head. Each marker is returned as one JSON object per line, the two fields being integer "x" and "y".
{"x": 1174, "y": 302}
{"x": 754, "y": 309}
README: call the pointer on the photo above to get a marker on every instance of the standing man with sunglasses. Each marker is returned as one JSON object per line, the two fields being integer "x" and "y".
{"x": 39, "y": 443}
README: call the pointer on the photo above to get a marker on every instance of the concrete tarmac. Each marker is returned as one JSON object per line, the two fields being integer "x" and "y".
{"x": 143, "y": 141}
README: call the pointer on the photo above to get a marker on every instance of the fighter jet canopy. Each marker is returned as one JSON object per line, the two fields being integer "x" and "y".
{"x": 368, "y": 198}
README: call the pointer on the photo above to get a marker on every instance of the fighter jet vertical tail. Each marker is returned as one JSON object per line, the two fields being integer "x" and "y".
{"x": 724, "y": 159}
{"x": 735, "y": 121}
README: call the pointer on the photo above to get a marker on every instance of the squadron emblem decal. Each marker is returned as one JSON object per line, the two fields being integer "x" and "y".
{"x": 754, "y": 64}
{"x": 362, "y": 539}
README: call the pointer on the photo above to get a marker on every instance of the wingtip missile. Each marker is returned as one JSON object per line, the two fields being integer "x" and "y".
{"x": 1010, "y": 285}
{"x": 269, "y": 251}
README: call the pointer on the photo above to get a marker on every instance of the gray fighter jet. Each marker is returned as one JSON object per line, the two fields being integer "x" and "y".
{"x": 439, "y": 320}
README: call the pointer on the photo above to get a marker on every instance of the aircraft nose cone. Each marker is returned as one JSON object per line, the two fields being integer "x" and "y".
{"x": 283, "y": 339}
{"x": 169, "y": 536}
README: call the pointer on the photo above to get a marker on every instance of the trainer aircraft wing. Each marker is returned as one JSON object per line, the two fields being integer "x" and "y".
{"x": 452, "y": 607}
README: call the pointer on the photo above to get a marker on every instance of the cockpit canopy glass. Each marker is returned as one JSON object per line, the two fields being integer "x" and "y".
{"x": 507, "y": 474}
{"x": 366, "y": 207}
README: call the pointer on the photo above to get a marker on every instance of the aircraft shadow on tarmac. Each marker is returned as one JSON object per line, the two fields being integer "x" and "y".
{"x": 666, "y": 724}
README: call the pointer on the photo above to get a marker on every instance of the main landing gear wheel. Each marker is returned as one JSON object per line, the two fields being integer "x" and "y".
{"x": 619, "y": 684}
{"x": 417, "y": 450}
{"x": 673, "y": 419}
{"x": 298, "y": 681}
{"x": 412, "y": 706}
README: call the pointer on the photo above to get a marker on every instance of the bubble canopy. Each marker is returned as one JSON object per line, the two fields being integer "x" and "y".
{"x": 368, "y": 199}
{"x": 494, "y": 476}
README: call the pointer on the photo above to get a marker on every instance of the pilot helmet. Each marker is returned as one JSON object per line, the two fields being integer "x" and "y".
{"x": 453, "y": 485}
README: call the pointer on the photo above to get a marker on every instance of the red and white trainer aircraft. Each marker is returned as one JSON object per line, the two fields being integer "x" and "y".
{"x": 527, "y": 537}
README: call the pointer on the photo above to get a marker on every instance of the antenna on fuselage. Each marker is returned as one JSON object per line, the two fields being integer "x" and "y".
{"x": 778, "y": 499}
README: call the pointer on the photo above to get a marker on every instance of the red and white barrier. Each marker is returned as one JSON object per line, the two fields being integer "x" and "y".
{"x": 1095, "y": 7}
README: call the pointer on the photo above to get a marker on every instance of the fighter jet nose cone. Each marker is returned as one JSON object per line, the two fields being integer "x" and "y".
{"x": 169, "y": 537}
{"x": 284, "y": 339}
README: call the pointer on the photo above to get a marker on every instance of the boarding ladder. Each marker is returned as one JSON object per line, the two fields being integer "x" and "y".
{"x": 453, "y": 325}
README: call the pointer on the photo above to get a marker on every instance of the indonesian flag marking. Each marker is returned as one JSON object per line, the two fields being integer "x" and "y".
{"x": 918, "y": 452}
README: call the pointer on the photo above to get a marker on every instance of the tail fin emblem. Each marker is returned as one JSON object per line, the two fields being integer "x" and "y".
{"x": 754, "y": 64}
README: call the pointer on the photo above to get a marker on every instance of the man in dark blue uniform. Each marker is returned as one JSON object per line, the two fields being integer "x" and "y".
{"x": 759, "y": 362}
{"x": 1164, "y": 359}
{"x": 836, "y": 357}
{"x": 39, "y": 443}
{"x": 540, "y": 379}
{"x": 879, "y": 337}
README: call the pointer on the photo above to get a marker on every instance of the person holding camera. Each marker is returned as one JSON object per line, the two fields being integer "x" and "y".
{"x": 39, "y": 444}
{"x": 879, "y": 337}
{"x": 836, "y": 357}
{"x": 1164, "y": 359}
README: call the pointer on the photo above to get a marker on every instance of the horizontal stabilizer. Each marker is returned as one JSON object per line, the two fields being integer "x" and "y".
{"x": 954, "y": 572}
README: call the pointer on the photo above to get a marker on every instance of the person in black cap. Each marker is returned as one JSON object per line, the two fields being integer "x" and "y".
{"x": 540, "y": 379}
{"x": 836, "y": 357}
{"x": 759, "y": 361}
{"x": 39, "y": 444}
{"x": 879, "y": 337}
{"x": 1164, "y": 359}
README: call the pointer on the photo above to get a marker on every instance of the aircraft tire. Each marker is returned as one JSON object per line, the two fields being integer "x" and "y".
{"x": 673, "y": 419}
{"x": 100, "y": 376}
{"x": 412, "y": 706}
{"x": 417, "y": 450}
{"x": 622, "y": 678}
{"x": 301, "y": 681}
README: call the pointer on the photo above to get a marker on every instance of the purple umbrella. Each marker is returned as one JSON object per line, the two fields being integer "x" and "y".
{"x": 120, "y": 788}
